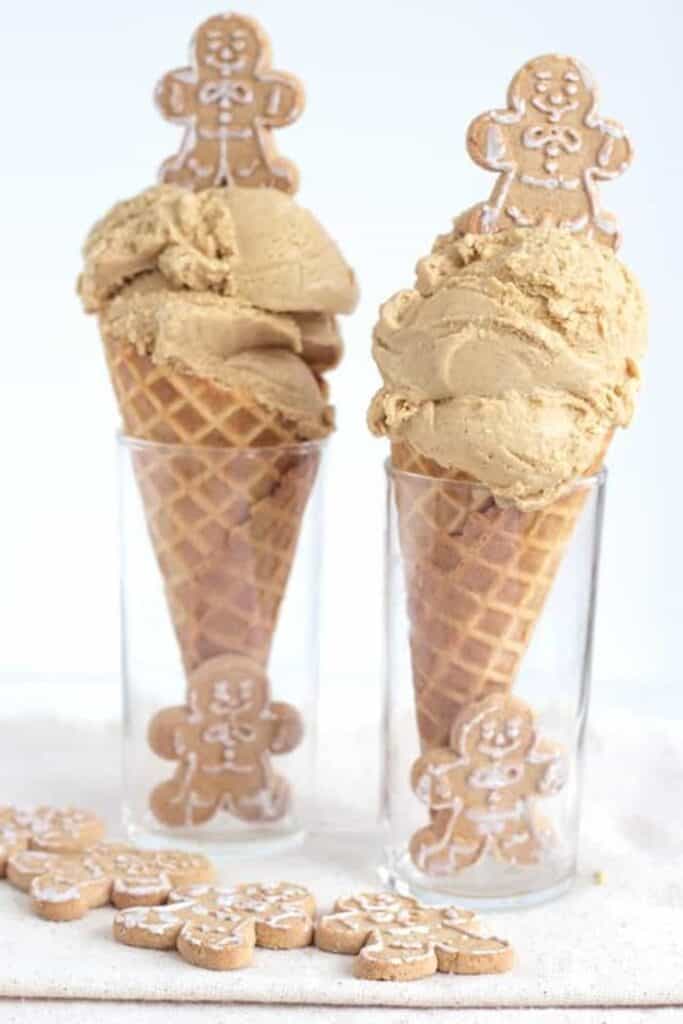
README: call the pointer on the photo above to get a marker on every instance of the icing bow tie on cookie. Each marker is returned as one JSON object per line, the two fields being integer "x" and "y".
{"x": 542, "y": 136}
{"x": 225, "y": 94}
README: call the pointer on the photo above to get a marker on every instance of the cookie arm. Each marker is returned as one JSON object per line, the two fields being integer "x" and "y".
{"x": 281, "y": 99}
{"x": 343, "y": 932}
{"x": 163, "y": 729}
{"x": 548, "y": 766}
{"x": 463, "y": 950}
{"x": 287, "y": 728}
{"x": 151, "y": 927}
{"x": 135, "y": 890}
{"x": 11, "y": 843}
{"x": 173, "y": 94}
{"x": 437, "y": 779}
{"x": 487, "y": 141}
{"x": 615, "y": 153}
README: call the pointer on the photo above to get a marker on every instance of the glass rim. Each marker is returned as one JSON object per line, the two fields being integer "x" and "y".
{"x": 594, "y": 481}
{"x": 130, "y": 443}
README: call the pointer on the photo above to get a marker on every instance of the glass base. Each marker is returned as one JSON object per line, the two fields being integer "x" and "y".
{"x": 220, "y": 844}
{"x": 488, "y": 885}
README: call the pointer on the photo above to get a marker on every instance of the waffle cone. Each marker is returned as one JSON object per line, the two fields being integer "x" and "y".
{"x": 477, "y": 577}
{"x": 224, "y": 519}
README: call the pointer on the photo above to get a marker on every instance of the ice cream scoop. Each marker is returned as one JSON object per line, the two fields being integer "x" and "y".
{"x": 513, "y": 359}
{"x": 193, "y": 280}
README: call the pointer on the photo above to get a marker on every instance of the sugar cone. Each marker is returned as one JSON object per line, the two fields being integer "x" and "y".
{"x": 477, "y": 577}
{"x": 224, "y": 524}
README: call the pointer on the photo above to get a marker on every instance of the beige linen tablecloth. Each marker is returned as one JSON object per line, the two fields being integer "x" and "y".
{"x": 616, "y": 945}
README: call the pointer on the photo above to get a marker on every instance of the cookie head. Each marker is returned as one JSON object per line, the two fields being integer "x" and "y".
{"x": 229, "y": 696}
{"x": 227, "y": 46}
{"x": 230, "y": 686}
{"x": 559, "y": 90}
{"x": 494, "y": 731}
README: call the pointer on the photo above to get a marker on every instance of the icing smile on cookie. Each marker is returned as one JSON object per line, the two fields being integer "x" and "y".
{"x": 553, "y": 99}
{"x": 498, "y": 742}
{"x": 226, "y": 51}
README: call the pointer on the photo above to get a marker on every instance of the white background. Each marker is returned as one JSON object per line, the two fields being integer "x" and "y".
{"x": 392, "y": 86}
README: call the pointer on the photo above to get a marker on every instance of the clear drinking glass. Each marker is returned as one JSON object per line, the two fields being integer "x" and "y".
{"x": 220, "y": 576}
{"x": 489, "y": 631}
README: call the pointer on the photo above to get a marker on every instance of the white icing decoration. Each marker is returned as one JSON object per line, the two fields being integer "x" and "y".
{"x": 213, "y": 935}
{"x": 140, "y": 887}
{"x": 495, "y": 146}
{"x": 273, "y": 104}
{"x": 51, "y": 893}
{"x": 568, "y": 184}
{"x": 195, "y": 716}
{"x": 518, "y": 217}
{"x": 158, "y": 921}
{"x": 228, "y": 697}
{"x": 281, "y": 920}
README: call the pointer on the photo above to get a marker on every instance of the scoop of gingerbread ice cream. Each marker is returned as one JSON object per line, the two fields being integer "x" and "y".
{"x": 513, "y": 359}
{"x": 237, "y": 285}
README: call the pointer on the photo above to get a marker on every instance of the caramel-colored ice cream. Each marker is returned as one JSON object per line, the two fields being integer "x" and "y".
{"x": 240, "y": 286}
{"x": 512, "y": 360}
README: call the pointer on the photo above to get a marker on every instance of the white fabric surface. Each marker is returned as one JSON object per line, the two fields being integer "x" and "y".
{"x": 615, "y": 945}
{"x": 36, "y": 1011}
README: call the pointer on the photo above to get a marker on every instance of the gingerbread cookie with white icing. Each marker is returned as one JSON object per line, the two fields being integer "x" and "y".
{"x": 482, "y": 789}
{"x": 396, "y": 938}
{"x": 53, "y": 829}
{"x": 550, "y": 147}
{"x": 65, "y": 886}
{"x": 223, "y": 739}
{"x": 219, "y": 928}
{"x": 229, "y": 100}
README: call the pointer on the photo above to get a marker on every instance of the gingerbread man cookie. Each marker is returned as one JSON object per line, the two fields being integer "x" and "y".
{"x": 396, "y": 938}
{"x": 60, "y": 830}
{"x": 63, "y": 887}
{"x": 223, "y": 739}
{"x": 550, "y": 147}
{"x": 218, "y": 928}
{"x": 481, "y": 789}
{"x": 228, "y": 101}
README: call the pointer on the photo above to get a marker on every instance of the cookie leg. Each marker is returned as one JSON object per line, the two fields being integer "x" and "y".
{"x": 520, "y": 846}
{"x": 267, "y": 803}
{"x": 177, "y": 804}
{"x": 446, "y": 853}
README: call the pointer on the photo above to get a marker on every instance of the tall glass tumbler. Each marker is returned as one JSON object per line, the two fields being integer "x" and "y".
{"x": 220, "y": 575}
{"x": 489, "y": 632}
